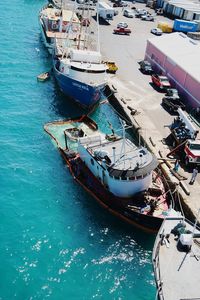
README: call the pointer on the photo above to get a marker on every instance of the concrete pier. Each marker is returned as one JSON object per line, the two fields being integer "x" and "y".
{"x": 141, "y": 103}
{"x": 189, "y": 194}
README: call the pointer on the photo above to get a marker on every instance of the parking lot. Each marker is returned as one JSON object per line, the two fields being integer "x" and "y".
{"x": 127, "y": 51}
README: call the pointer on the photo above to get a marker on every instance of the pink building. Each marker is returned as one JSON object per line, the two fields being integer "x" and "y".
{"x": 178, "y": 57}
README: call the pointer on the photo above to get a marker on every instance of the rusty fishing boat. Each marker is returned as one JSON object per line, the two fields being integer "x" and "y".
{"x": 121, "y": 176}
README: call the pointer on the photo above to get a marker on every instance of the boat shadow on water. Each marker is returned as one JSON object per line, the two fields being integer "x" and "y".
{"x": 65, "y": 106}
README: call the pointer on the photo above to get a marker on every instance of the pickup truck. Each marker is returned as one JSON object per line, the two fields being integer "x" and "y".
{"x": 160, "y": 81}
{"x": 146, "y": 67}
{"x": 172, "y": 101}
{"x": 125, "y": 31}
{"x": 185, "y": 139}
{"x": 172, "y": 104}
{"x": 147, "y": 17}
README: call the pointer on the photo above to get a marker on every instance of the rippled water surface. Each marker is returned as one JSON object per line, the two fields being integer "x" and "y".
{"x": 56, "y": 242}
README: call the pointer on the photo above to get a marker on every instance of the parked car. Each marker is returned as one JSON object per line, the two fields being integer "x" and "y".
{"x": 120, "y": 4}
{"x": 128, "y": 13}
{"x": 146, "y": 67}
{"x": 159, "y": 11}
{"x": 147, "y": 17}
{"x": 122, "y": 25}
{"x": 125, "y": 31}
{"x": 172, "y": 101}
{"x": 116, "y": 4}
{"x": 112, "y": 67}
{"x": 140, "y": 12}
{"x": 172, "y": 104}
{"x": 160, "y": 81}
{"x": 172, "y": 93}
{"x": 157, "y": 31}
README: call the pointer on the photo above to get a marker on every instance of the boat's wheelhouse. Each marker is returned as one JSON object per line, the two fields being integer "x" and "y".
{"x": 122, "y": 167}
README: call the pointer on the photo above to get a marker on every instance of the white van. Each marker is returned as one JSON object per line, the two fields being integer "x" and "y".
{"x": 128, "y": 13}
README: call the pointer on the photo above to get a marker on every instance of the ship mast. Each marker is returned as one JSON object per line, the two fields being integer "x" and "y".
{"x": 123, "y": 148}
{"x": 98, "y": 38}
{"x": 69, "y": 28}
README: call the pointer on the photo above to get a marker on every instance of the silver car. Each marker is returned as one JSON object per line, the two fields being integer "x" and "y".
{"x": 128, "y": 13}
{"x": 157, "y": 31}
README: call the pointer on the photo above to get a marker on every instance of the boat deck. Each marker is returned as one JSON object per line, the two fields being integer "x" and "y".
{"x": 179, "y": 271}
{"x": 56, "y": 34}
{"x": 56, "y": 130}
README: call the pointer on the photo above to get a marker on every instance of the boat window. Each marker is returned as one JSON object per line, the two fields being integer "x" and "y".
{"x": 87, "y": 71}
{"x": 92, "y": 161}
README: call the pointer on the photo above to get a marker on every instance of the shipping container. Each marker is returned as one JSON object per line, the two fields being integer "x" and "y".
{"x": 177, "y": 11}
{"x": 159, "y": 3}
{"x": 188, "y": 15}
{"x": 105, "y": 11}
{"x": 185, "y": 26}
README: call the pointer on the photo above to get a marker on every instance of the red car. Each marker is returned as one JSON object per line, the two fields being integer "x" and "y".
{"x": 122, "y": 31}
{"x": 160, "y": 81}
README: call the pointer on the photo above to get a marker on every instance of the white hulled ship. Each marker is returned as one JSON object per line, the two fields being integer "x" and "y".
{"x": 122, "y": 167}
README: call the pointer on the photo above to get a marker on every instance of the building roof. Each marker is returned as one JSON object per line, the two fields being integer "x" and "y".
{"x": 181, "y": 51}
{"x": 185, "y": 4}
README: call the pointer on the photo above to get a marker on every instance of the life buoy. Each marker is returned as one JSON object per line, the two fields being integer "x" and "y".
{"x": 65, "y": 23}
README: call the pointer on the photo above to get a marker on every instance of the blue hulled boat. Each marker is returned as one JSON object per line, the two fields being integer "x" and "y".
{"x": 77, "y": 62}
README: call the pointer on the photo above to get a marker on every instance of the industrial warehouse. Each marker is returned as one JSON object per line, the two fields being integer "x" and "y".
{"x": 184, "y": 9}
{"x": 181, "y": 66}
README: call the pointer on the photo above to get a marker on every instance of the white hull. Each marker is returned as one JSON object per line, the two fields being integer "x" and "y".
{"x": 118, "y": 178}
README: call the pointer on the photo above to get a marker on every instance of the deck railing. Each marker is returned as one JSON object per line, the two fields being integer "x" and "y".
{"x": 156, "y": 264}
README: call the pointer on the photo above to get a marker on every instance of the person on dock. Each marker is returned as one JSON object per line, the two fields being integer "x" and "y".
{"x": 176, "y": 165}
{"x": 194, "y": 175}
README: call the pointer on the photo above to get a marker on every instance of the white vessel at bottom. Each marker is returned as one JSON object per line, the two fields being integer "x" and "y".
{"x": 117, "y": 173}
{"x": 122, "y": 167}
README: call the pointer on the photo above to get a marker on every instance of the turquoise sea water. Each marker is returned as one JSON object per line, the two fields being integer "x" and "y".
{"x": 56, "y": 242}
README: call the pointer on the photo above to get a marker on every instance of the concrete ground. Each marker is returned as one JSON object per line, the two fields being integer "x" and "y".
{"x": 136, "y": 89}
